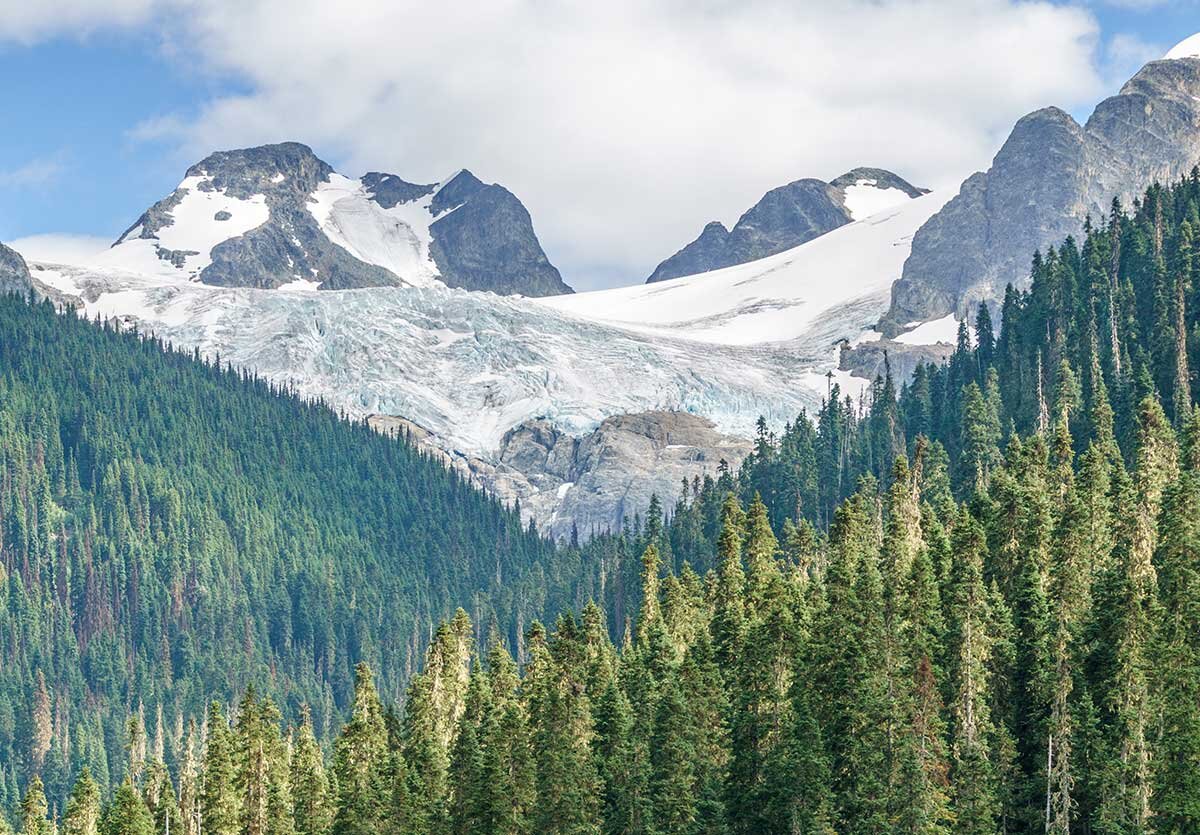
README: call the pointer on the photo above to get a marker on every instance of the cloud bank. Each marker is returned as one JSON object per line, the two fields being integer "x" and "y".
{"x": 626, "y": 125}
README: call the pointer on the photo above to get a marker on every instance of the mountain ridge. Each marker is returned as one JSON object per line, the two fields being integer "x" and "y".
{"x": 786, "y": 217}
{"x": 1046, "y": 179}
{"x": 274, "y": 215}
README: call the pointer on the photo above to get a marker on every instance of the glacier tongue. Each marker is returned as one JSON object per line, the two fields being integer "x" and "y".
{"x": 467, "y": 366}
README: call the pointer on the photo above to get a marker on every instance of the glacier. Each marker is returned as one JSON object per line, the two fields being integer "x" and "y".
{"x": 467, "y": 367}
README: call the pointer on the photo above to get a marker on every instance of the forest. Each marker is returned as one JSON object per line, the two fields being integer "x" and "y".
{"x": 967, "y": 604}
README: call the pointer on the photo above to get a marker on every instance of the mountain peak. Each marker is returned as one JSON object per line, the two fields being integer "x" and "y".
{"x": 788, "y": 216}
{"x": 277, "y": 215}
{"x": 879, "y": 178}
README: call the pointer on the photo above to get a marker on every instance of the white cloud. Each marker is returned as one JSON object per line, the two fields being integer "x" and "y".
{"x": 37, "y": 172}
{"x": 626, "y": 125}
{"x": 28, "y": 21}
{"x": 60, "y": 249}
{"x": 1126, "y": 54}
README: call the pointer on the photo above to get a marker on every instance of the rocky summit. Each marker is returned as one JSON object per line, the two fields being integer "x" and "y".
{"x": 1049, "y": 176}
{"x": 786, "y": 217}
{"x": 277, "y": 215}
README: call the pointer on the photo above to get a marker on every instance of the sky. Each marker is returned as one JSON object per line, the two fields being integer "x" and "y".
{"x": 623, "y": 126}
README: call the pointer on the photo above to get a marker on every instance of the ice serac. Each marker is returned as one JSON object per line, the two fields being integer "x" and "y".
{"x": 14, "y": 274}
{"x": 1049, "y": 176}
{"x": 277, "y": 215}
{"x": 786, "y": 217}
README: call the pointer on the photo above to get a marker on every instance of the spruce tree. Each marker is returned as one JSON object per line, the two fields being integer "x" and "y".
{"x": 220, "y": 808}
{"x": 83, "y": 807}
{"x": 1176, "y": 654}
{"x": 973, "y": 772}
{"x": 128, "y": 815}
{"x": 310, "y": 789}
{"x": 360, "y": 759}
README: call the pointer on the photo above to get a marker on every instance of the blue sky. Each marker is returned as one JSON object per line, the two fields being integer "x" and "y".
{"x": 102, "y": 116}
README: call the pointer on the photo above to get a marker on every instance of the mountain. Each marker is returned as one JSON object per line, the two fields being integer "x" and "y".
{"x": 14, "y": 274}
{"x": 786, "y": 217}
{"x": 466, "y": 369}
{"x": 738, "y": 659}
{"x": 1049, "y": 176}
{"x": 277, "y": 215}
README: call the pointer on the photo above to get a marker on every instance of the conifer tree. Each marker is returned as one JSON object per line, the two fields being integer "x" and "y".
{"x": 83, "y": 807}
{"x": 568, "y": 797}
{"x": 34, "y": 810}
{"x": 128, "y": 815}
{"x": 220, "y": 808}
{"x": 1176, "y": 655}
{"x": 310, "y": 789}
{"x": 360, "y": 759}
{"x": 1126, "y": 801}
{"x": 973, "y": 773}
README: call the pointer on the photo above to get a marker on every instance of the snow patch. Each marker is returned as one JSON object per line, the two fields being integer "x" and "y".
{"x": 938, "y": 331}
{"x": 397, "y": 239}
{"x": 865, "y": 198}
{"x": 194, "y": 228}
{"x": 1187, "y": 48}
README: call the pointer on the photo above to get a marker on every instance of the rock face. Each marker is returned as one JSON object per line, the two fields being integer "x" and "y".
{"x": 786, "y": 217}
{"x": 483, "y": 239}
{"x": 14, "y": 275}
{"x": 1048, "y": 177}
{"x": 598, "y": 481}
{"x": 275, "y": 215}
{"x": 595, "y": 482}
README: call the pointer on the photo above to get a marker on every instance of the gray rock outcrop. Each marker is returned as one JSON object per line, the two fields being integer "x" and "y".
{"x": 785, "y": 217}
{"x": 483, "y": 239}
{"x": 1049, "y": 176}
{"x": 595, "y": 482}
{"x": 14, "y": 274}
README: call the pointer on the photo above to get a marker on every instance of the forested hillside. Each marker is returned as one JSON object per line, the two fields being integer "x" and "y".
{"x": 171, "y": 532}
{"x": 970, "y": 605}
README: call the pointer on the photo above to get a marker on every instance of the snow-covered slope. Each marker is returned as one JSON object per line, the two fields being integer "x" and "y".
{"x": 832, "y": 287}
{"x": 395, "y": 238}
{"x": 276, "y": 215}
{"x": 786, "y": 217}
{"x": 730, "y": 345}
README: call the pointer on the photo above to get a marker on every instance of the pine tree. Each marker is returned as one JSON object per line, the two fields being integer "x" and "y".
{"x": 128, "y": 814}
{"x": 83, "y": 807}
{"x": 360, "y": 758}
{"x": 310, "y": 789}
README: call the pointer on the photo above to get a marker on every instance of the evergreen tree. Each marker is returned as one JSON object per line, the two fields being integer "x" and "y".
{"x": 310, "y": 789}
{"x": 128, "y": 815}
{"x": 219, "y": 804}
{"x": 34, "y": 810}
{"x": 83, "y": 807}
{"x": 360, "y": 758}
